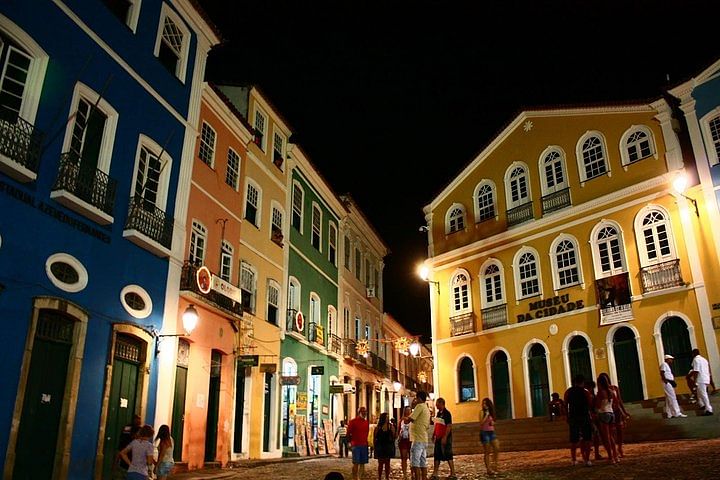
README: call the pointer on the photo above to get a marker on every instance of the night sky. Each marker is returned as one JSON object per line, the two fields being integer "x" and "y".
{"x": 391, "y": 100}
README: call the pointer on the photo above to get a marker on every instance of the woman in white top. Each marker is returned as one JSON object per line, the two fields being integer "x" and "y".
{"x": 165, "y": 446}
{"x": 142, "y": 454}
{"x": 605, "y": 416}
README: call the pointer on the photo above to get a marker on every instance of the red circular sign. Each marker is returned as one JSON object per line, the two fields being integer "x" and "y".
{"x": 204, "y": 279}
{"x": 299, "y": 322}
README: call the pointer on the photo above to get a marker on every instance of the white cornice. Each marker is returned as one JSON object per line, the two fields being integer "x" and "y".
{"x": 192, "y": 16}
{"x": 221, "y": 110}
{"x": 686, "y": 88}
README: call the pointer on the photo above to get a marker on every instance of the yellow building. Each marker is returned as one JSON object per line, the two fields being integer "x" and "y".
{"x": 563, "y": 249}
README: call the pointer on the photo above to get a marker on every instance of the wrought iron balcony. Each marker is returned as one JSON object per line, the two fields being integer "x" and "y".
{"x": 316, "y": 333}
{"x": 144, "y": 217}
{"x": 291, "y": 325}
{"x": 556, "y": 201}
{"x": 661, "y": 276}
{"x": 494, "y": 316}
{"x": 462, "y": 324}
{"x": 20, "y": 145}
{"x": 334, "y": 344}
{"x": 349, "y": 350}
{"x": 188, "y": 282}
{"x": 94, "y": 187}
{"x": 520, "y": 214}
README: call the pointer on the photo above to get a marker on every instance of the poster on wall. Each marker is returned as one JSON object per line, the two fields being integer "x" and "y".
{"x": 321, "y": 449}
{"x": 310, "y": 442}
{"x": 300, "y": 443}
{"x": 614, "y": 299}
{"x": 329, "y": 438}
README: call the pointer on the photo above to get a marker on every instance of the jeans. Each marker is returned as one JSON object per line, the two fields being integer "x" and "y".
{"x": 343, "y": 446}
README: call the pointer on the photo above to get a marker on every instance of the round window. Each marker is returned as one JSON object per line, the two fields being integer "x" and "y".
{"x": 136, "y": 301}
{"x": 66, "y": 272}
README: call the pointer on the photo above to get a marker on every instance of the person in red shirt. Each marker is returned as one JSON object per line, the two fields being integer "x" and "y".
{"x": 358, "y": 430}
{"x": 442, "y": 434}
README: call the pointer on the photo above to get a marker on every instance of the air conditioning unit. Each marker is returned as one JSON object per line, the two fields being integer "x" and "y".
{"x": 370, "y": 292}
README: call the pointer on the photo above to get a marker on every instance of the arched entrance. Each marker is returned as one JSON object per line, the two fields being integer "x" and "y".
{"x": 627, "y": 364}
{"x": 579, "y": 358}
{"x": 676, "y": 342}
{"x": 538, "y": 379}
{"x": 500, "y": 377}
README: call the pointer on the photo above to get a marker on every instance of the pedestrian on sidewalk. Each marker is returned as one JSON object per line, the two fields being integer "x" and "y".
{"x": 358, "y": 431}
{"x": 142, "y": 451}
{"x": 442, "y": 435}
{"x": 590, "y": 387}
{"x": 165, "y": 446}
{"x": 672, "y": 409}
{"x": 579, "y": 403}
{"x": 384, "y": 444}
{"x": 701, "y": 377}
{"x": 341, "y": 434}
{"x": 620, "y": 417}
{"x": 487, "y": 436}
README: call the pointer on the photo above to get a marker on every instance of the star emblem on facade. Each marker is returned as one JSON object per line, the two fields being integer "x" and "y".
{"x": 528, "y": 126}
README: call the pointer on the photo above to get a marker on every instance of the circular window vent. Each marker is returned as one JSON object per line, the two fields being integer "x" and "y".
{"x": 66, "y": 272}
{"x": 136, "y": 301}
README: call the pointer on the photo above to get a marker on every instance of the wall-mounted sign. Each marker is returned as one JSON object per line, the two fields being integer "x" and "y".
{"x": 204, "y": 279}
{"x": 290, "y": 380}
{"x": 207, "y": 281}
{"x": 247, "y": 361}
{"x": 299, "y": 321}
{"x": 337, "y": 389}
{"x": 317, "y": 370}
{"x": 550, "y": 307}
{"x": 614, "y": 299}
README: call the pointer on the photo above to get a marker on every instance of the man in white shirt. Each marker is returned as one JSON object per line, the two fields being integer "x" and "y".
{"x": 701, "y": 375}
{"x": 672, "y": 409}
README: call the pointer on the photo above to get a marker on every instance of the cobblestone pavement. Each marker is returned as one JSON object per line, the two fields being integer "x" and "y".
{"x": 686, "y": 459}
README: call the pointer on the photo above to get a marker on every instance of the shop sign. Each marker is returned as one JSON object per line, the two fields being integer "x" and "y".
{"x": 247, "y": 361}
{"x": 290, "y": 380}
{"x": 550, "y": 307}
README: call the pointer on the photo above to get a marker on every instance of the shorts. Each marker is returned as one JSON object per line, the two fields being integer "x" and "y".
{"x": 404, "y": 444}
{"x": 418, "y": 455}
{"x": 136, "y": 476}
{"x": 487, "y": 436}
{"x": 580, "y": 430}
{"x": 164, "y": 468}
{"x": 606, "y": 417}
{"x": 443, "y": 453}
{"x": 360, "y": 454}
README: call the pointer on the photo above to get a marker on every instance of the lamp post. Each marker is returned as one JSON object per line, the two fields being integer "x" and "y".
{"x": 190, "y": 319}
{"x": 424, "y": 273}
{"x": 680, "y": 185}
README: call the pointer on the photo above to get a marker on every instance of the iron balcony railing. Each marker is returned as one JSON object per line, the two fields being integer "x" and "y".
{"x": 349, "y": 350}
{"x": 149, "y": 220}
{"x": 89, "y": 185}
{"x": 20, "y": 141}
{"x": 520, "y": 214}
{"x": 462, "y": 324}
{"x": 291, "y": 325}
{"x": 494, "y": 316}
{"x": 556, "y": 201}
{"x": 334, "y": 344}
{"x": 188, "y": 282}
{"x": 316, "y": 334}
{"x": 661, "y": 276}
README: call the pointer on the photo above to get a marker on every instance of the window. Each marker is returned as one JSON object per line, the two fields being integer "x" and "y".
{"x": 152, "y": 175}
{"x": 226, "y": 261}
{"x": 358, "y": 263}
{"x": 331, "y": 324}
{"x": 66, "y": 272}
{"x": 294, "y": 295}
{"x": 206, "y": 153}
{"x": 332, "y": 244}
{"x": 484, "y": 201}
{"x": 22, "y": 71}
{"x": 636, "y": 144}
{"x": 297, "y": 210}
{"x": 198, "y": 240}
{"x": 273, "y": 302}
{"x": 455, "y": 219}
{"x": 367, "y": 331}
{"x": 347, "y": 252}
{"x": 460, "y": 287}
{"x": 136, "y": 301}
{"x": 232, "y": 174}
{"x": 247, "y": 286}
{"x": 608, "y": 252}
{"x": 315, "y": 238}
{"x": 527, "y": 273}
{"x": 492, "y": 284}
{"x": 278, "y": 149}
{"x": 654, "y": 236}
{"x": 466, "y": 380}
{"x": 125, "y": 10}
{"x": 172, "y": 43}
{"x": 314, "y": 309}
{"x": 358, "y": 323}
{"x": 566, "y": 265}
{"x": 252, "y": 204}
{"x": 552, "y": 170}
{"x": 711, "y": 132}
{"x": 260, "y": 128}
{"x": 517, "y": 185}
{"x": 591, "y": 156}
{"x": 276, "y": 234}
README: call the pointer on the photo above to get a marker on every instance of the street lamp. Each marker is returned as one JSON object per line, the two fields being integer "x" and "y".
{"x": 424, "y": 273}
{"x": 680, "y": 185}
{"x": 414, "y": 349}
{"x": 190, "y": 319}
{"x": 397, "y": 386}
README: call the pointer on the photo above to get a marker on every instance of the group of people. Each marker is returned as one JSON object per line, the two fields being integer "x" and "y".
{"x": 139, "y": 458}
{"x": 698, "y": 380}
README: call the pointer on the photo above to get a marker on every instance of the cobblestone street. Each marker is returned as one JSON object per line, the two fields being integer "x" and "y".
{"x": 687, "y": 459}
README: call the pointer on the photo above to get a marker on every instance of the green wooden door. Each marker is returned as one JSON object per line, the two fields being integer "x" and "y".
{"x": 579, "y": 358}
{"x": 267, "y": 406}
{"x": 211, "y": 428}
{"x": 501, "y": 385}
{"x": 539, "y": 388}
{"x": 44, "y": 396}
{"x": 627, "y": 364}
{"x": 123, "y": 402}
{"x": 239, "y": 409}
{"x": 676, "y": 342}
{"x": 178, "y": 413}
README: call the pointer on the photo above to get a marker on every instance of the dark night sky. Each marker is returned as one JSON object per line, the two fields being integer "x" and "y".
{"x": 392, "y": 99}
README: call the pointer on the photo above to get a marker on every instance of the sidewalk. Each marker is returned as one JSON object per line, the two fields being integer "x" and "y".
{"x": 237, "y": 466}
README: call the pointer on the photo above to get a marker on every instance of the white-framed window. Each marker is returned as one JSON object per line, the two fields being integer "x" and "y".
{"x": 273, "y": 302}
{"x": 332, "y": 243}
{"x": 206, "y": 151}
{"x": 226, "y": 261}
{"x": 592, "y": 156}
{"x": 276, "y": 224}
{"x": 484, "y": 201}
{"x": 198, "y": 242}
{"x": 232, "y": 172}
{"x": 315, "y": 308}
{"x": 565, "y": 262}
{"x": 260, "y": 124}
{"x": 152, "y": 174}
{"x": 637, "y": 143}
{"x": 127, "y": 11}
{"x": 553, "y": 176}
{"x": 298, "y": 195}
{"x": 455, "y": 218}
{"x": 460, "y": 302}
{"x": 608, "y": 249}
{"x": 466, "y": 380}
{"x": 253, "y": 198}
{"x": 358, "y": 327}
{"x": 316, "y": 234}
{"x": 173, "y": 42}
{"x": 90, "y": 134}
{"x": 294, "y": 294}
{"x": 492, "y": 284}
{"x": 654, "y": 237}
{"x": 278, "y": 149}
{"x": 710, "y": 126}
{"x": 358, "y": 263}
{"x": 331, "y": 320}
{"x": 248, "y": 286}
{"x": 526, "y": 271}
{"x": 136, "y": 301}
{"x": 347, "y": 253}
{"x": 368, "y": 332}
{"x": 66, "y": 272}
{"x": 517, "y": 185}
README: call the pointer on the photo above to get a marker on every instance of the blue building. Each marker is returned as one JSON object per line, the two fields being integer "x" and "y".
{"x": 99, "y": 102}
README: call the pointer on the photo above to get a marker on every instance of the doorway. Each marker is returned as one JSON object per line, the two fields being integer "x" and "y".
{"x": 627, "y": 364}
{"x": 178, "y": 413}
{"x": 213, "y": 414}
{"x": 500, "y": 378}
{"x": 538, "y": 378}
{"x": 579, "y": 358}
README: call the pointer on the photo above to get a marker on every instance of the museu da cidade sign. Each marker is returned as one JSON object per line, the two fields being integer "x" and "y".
{"x": 550, "y": 307}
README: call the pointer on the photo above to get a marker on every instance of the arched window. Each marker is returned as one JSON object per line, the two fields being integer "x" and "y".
{"x": 654, "y": 236}
{"x": 484, "y": 201}
{"x": 636, "y": 144}
{"x": 466, "y": 380}
{"x": 460, "y": 286}
{"x": 711, "y": 132}
{"x": 493, "y": 288}
{"x": 517, "y": 185}
{"x": 591, "y": 156}
{"x": 608, "y": 249}
{"x": 455, "y": 220}
{"x": 552, "y": 170}
{"x": 565, "y": 262}
{"x": 527, "y": 273}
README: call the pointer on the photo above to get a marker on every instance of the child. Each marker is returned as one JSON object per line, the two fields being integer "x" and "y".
{"x": 487, "y": 436}
{"x": 557, "y": 407}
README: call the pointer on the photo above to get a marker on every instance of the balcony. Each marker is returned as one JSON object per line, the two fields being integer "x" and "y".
{"x": 518, "y": 215}
{"x": 188, "y": 283}
{"x": 292, "y": 325}
{"x": 462, "y": 324}
{"x": 661, "y": 276}
{"x": 334, "y": 344}
{"x": 494, "y": 316}
{"x": 556, "y": 201}
{"x": 19, "y": 147}
{"x": 349, "y": 350}
{"x": 149, "y": 227}
{"x": 88, "y": 191}
{"x": 316, "y": 333}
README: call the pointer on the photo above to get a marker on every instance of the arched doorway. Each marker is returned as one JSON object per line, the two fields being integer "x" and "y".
{"x": 627, "y": 364}
{"x": 676, "y": 342}
{"x": 500, "y": 377}
{"x": 579, "y": 358}
{"x": 538, "y": 379}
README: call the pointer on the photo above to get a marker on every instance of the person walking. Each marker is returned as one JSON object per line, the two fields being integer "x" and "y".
{"x": 606, "y": 417}
{"x": 701, "y": 377}
{"x": 384, "y": 444}
{"x": 578, "y": 402}
{"x": 165, "y": 446}
{"x": 341, "y": 436}
{"x": 620, "y": 417}
{"x": 487, "y": 436}
{"x": 404, "y": 442}
{"x": 358, "y": 431}
{"x": 420, "y": 419}
{"x": 142, "y": 451}
{"x": 442, "y": 435}
{"x": 672, "y": 409}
